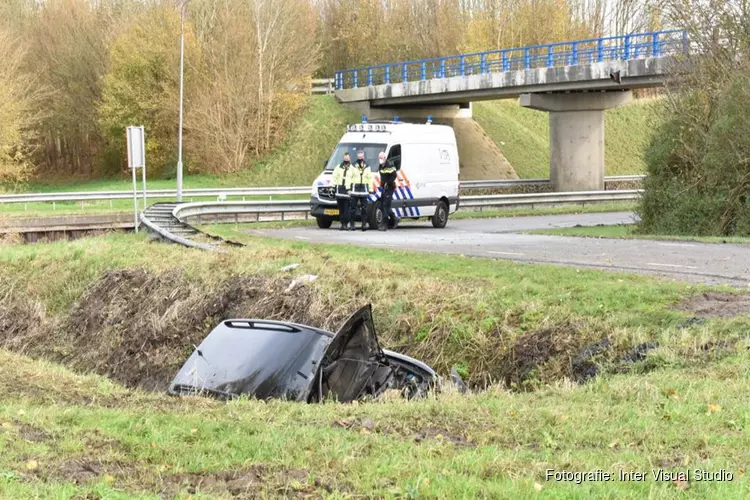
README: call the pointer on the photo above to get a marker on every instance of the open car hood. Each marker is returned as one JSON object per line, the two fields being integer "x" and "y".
{"x": 351, "y": 359}
{"x": 271, "y": 359}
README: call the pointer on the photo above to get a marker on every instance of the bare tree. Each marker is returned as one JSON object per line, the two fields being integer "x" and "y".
{"x": 258, "y": 58}
{"x": 20, "y": 114}
{"x": 68, "y": 44}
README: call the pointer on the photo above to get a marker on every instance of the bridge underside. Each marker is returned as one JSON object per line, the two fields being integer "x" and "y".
{"x": 574, "y": 96}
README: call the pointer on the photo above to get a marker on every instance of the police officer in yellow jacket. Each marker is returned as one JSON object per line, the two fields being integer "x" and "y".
{"x": 340, "y": 174}
{"x": 360, "y": 183}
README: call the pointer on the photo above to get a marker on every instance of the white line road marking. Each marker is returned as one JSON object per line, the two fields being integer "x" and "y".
{"x": 506, "y": 253}
{"x": 302, "y": 237}
{"x": 669, "y": 265}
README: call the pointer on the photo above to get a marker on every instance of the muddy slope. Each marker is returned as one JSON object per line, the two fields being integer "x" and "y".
{"x": 137, "y": 327}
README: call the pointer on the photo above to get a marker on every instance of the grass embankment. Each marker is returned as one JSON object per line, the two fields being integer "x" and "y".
{"x": 523, "y": 136}
{"x": 296, "y": 162}
{"x": 631, "y": 232}
{"x": 121, "y": 306}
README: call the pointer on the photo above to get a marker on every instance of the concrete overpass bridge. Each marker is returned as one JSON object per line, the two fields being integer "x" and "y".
{"x": 573, "y": 81}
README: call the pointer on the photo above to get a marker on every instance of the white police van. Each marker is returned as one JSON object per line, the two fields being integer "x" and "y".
{"x": 428, "y": 174}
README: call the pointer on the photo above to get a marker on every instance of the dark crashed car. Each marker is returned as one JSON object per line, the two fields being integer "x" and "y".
{"x": 272, "y": 359}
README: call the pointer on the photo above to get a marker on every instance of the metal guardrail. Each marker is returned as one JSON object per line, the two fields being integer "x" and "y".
{"x": 186, "y": 210}
{"x": 173, "y": 237}
{"x": 262, "y": 191}
{"x": 154, "y": 193}
{"x": 505, "y": 183}
{"x": 503, "y": 200}
{"x": 596, "y": 50}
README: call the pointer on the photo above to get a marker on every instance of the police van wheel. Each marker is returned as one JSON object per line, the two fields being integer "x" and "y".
{"x": 440, "y": 219}
{"x": 324, "y": 222}
{"x": 375, "y": 215}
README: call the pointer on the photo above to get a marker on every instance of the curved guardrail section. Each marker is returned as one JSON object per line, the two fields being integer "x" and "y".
{"x": 173, "y": 237}
{"x": 183, "y": 211}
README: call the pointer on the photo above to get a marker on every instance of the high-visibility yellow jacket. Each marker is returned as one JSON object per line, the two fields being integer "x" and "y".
{"x": 360, "y": 174}
{"x": 340, "y": 174}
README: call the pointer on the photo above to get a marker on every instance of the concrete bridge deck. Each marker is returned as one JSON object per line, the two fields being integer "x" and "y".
{"x": 596, "y": 77}
{"x": 575, "y": 82}
{"x": 639, "y": 60}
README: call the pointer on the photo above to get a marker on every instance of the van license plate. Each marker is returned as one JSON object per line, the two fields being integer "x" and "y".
{"x": 330, "y": 211}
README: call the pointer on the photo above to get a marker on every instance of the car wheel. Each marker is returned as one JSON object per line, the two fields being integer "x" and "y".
{"x": 440, "y": 219}
{"x": 324, "y": 222}
{"x": 375, "y": 218}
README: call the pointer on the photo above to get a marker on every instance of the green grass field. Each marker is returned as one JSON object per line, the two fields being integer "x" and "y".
{"x": 99, "y": 439}
{"x": 631, "y": 232}
{"x": 682, "y": 407}
{"x": 523, "y": 136}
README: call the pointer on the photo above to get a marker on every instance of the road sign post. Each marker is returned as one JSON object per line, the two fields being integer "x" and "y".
{"x": 137, "y": 159}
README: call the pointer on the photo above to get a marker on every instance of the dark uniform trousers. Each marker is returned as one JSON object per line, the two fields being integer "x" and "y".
{"x": 388, "y": 181}
{"x": 343, "y": 204}
{"x": 358, "y": 203}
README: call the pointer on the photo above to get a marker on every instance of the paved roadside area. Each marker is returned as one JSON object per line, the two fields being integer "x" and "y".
{"x": 499, "y": 239}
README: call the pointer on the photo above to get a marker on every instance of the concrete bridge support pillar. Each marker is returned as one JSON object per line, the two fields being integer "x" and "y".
{"x": 576, "y": 136}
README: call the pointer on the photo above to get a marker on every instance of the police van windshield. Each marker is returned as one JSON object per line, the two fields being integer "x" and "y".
{"x": 371, "y": 154}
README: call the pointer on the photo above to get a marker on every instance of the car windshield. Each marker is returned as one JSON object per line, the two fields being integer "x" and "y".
{"x": 371, "y": 153}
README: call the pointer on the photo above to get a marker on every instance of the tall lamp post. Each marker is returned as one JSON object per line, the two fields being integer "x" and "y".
{"x": 183, "y": 5}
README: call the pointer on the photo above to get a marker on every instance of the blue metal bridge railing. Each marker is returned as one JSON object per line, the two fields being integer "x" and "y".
{"x": 635, "y": 46}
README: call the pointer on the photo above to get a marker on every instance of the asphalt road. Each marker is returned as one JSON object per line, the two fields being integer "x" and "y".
{"x": 499, "y": 239}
